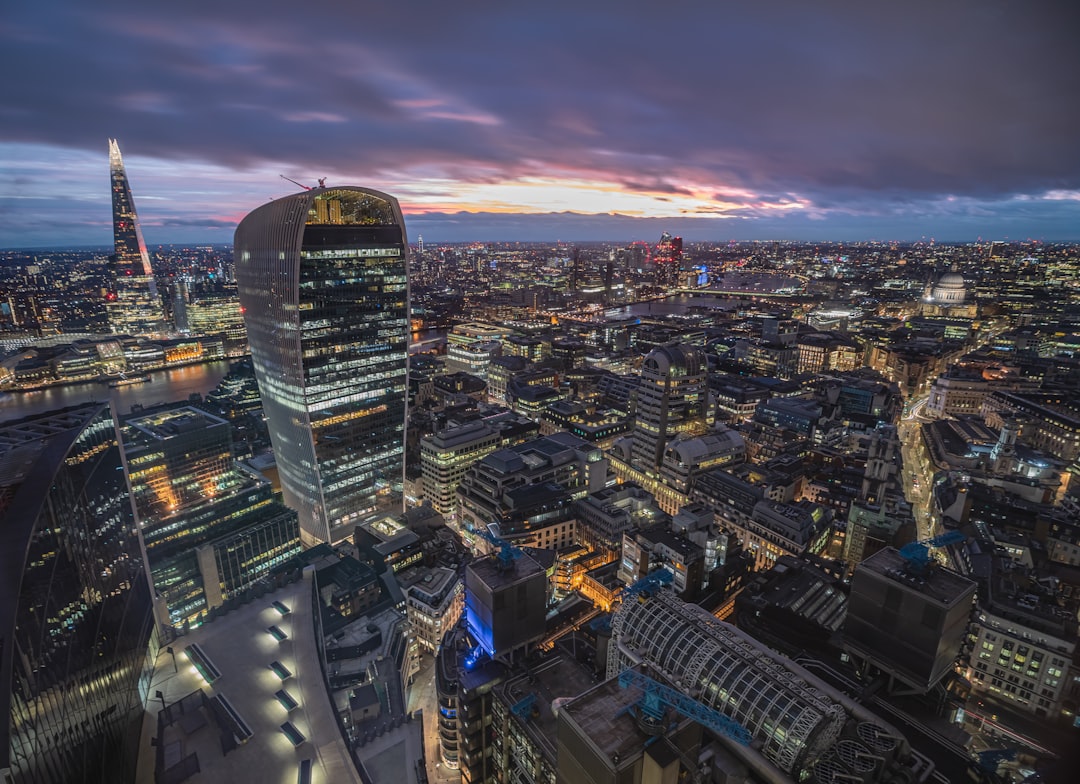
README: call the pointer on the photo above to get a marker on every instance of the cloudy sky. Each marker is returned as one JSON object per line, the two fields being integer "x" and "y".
{"x": 716, "y": 119}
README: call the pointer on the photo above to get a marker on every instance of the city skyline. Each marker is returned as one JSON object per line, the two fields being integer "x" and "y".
{"x": 754, "y": 122}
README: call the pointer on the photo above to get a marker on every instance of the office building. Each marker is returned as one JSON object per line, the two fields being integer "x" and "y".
{"x": 668, "y": 260}
{"x": 210, "y": 529}
{"x": 446, "y": 455}
{"x": 1023, "y": 656}
{"x": 218, "y": 313}
{"x": 673, "y": 398}
{"x": 323, "y": 284}
{"x": 908, "y": 622}
{"x": 434, "y": 605}
{"x": 75, "y": 608}
{"x": 505, "y": 602}
{"x": 529, "y": 489}
{"x": 133, "y": 304}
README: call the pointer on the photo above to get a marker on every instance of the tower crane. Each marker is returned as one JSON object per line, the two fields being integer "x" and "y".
{"x": 657, "y": 696}
{"x": 507, "y": 554}
{"x": 917, "y": 554}
{"x": 294, "y": 182}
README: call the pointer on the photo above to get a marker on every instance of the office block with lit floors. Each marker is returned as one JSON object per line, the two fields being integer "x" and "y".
{"x": 323, "y": 284}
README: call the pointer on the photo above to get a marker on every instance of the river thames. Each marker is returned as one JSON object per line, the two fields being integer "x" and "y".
{"x": 177, "y": 384}
{"x": 165, "y": 386}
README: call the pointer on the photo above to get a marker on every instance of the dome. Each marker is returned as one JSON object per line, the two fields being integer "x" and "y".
{"x": 950, "y": 289}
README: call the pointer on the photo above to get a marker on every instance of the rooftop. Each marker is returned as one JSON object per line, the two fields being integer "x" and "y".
{"x": 935, "y": 582}
{"x": 241, "y": 648}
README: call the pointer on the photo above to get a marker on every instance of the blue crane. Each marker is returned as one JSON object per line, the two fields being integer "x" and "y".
{"x": 524, "y": 708}
{"x": 990, "y": 760}
{"x": 918, "y": 553}
{"x": 646, "y": 584}
{"x": 507, "y": 554}
{"x": 657, "y": 696}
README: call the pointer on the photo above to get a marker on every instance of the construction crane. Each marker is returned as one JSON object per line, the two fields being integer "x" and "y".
{"x": 656, "y": 697}
{"x": 507, "y": 554}
{"x": 917, "y": 554}
{"x": 294, "y": 182}
{"x": 647, "y": 584}
{"x": 650, "y": 582}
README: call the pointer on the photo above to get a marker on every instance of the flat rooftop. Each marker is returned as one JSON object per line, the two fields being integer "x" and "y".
{"x": 603, "y": 715}
{"x": 491, "y": 572}
{"x": 935, "y": 582}
{"x": 240, "y": 646}
{"x": 174, "y": 421}
{"x": 538, "y": 688}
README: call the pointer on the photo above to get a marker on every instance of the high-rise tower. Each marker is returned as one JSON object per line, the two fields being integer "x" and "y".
{"x": 673, "y": 398}
{"x": 323, "y": 284}
{"x": 76, "y": 649}
{"x": 134, "y": 306}
{"x": 210, "y": 530}
{"x": 668, "y": 258}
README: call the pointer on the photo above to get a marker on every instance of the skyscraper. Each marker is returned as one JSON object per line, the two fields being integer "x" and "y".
{"x": 134, "y": 306}
{"x": 75, "y": 620}
{"x": 323, "y": 284}
{"x": 668, "y": 259}
{"x": 673, "y": 398}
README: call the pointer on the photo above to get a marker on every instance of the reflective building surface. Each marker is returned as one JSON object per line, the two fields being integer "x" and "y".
{"x": 75, "y": 608}
{"x": 211, "y": 529}
{"x": 322, "y": 281}
{"x": 133, "y": 305}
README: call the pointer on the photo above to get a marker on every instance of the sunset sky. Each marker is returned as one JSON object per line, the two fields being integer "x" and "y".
{"x": 784, "y": 119}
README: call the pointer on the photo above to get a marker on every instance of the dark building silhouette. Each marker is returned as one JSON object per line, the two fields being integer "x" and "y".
{"x": 75, "y": 607}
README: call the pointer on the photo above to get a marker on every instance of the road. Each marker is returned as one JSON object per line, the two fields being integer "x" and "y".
{"x": 918, "y": 473}
{"x": 422, "y": 696}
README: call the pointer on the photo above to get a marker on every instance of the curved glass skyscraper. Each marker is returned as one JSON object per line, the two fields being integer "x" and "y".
{"x": 76, "y": 652}
{"x": 322, "y": 280}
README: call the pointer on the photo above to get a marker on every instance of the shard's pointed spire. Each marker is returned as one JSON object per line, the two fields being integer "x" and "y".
{"x": 135, "y": 307}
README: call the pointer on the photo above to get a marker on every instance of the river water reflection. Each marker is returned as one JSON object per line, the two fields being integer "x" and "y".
{"x": 165, "y": 386}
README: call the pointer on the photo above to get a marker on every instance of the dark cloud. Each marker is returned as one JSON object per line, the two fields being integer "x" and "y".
{"x": 862, "y": 108}
{"x": 196, "y": 223}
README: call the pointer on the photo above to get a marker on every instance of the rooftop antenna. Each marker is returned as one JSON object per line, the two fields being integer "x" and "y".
{"x": 294, "y": 182}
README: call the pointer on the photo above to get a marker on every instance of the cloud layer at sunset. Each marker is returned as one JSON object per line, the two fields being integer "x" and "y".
{"x": 599, "y": 120}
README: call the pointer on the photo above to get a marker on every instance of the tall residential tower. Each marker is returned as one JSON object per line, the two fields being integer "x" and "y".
{"x": 134, "y": 306}
{"x": 323, "y": 284}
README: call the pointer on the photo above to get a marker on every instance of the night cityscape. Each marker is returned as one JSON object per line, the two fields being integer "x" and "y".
{"x": 571, "y": 395}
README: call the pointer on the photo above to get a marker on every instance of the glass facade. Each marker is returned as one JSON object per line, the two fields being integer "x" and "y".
{"x": 133, "y": 305}
{"x": 322, "y": 280}
{"x": 75, "y": 609}
{"x": 189, "y": 494}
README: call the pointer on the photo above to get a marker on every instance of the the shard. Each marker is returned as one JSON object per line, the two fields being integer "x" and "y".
{"x": 133, "y": 304}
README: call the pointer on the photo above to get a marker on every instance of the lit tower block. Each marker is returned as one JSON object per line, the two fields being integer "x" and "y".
{"x": 133, "y": 305}
{"x": 668, "y": 260}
